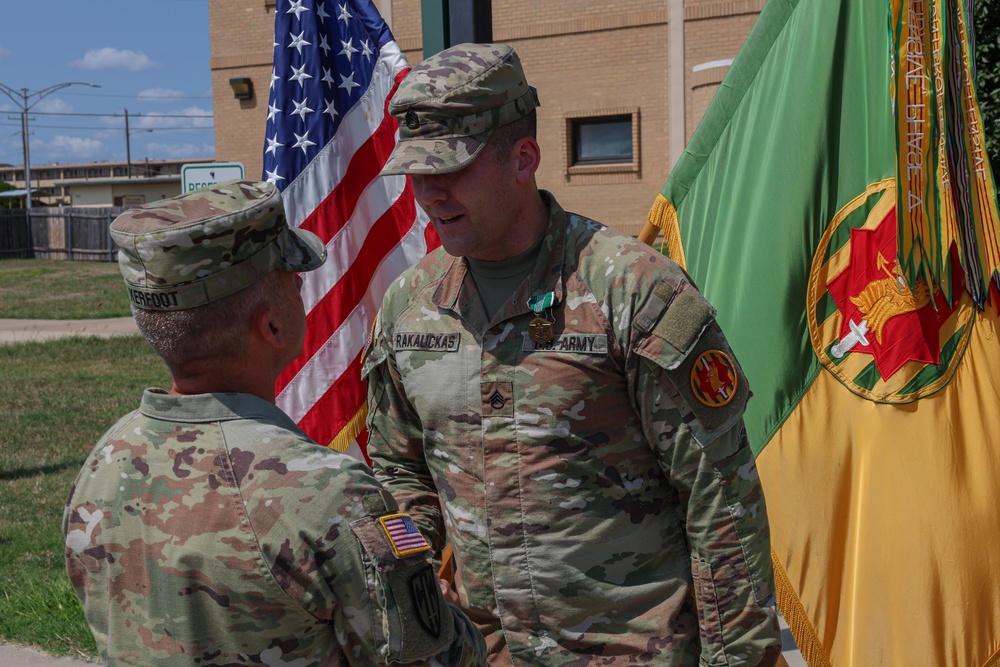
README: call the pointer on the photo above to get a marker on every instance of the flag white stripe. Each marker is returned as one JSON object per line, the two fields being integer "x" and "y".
{"x": 337, "y": 353}
{"x": 342, "y": 249}
{"x": 312, "y": 186}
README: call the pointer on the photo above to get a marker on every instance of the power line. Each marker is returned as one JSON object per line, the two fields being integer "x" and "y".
{"x": 110, "y": 129}
{"x": 118, "y": 115}
{"x": 141, "y": 99}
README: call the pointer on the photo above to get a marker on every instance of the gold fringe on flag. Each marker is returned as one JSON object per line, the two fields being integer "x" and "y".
{"x": 348, "y": 434}
{"x": 664, "y": 215}
{"x": 795, "y": 615}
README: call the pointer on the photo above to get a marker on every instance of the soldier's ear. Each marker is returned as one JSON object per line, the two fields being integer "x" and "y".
{"x": 527, "y": 156}
{"x": 269, "y": 327}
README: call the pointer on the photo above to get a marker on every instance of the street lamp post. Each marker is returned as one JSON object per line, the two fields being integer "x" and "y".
{"x": 26, "y": 99}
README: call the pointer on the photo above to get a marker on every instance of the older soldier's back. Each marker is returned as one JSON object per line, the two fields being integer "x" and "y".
{"x": 205, "y": 528}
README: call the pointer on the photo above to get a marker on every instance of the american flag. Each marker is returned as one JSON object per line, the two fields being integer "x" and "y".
{"x": 329, "y": 133}
{"x": 403, "y": 535}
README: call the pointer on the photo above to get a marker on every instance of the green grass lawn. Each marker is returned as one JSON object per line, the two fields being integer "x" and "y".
{"x": 56, "y": 399}
{"x": 48, "y": 289}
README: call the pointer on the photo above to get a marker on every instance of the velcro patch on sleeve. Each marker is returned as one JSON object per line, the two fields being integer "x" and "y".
{"x": 403, "y": 535}
{"x": 415, "y": 620}
{"x": 685, "y": 341}
{"x": 685, "y": 319}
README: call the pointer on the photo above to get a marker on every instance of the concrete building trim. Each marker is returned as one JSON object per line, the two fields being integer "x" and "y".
{"x": 265, "y": 57}
{"x": 709, "y": 76}
{"x": 719, "y": 9}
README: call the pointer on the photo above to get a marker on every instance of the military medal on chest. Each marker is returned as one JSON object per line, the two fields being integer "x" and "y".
{"x": 540, "y": 328}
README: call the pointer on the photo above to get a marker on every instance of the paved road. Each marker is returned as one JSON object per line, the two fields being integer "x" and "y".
{"x": 19, "y": 331}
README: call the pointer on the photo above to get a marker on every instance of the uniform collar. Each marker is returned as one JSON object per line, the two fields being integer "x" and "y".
{"x": 204, "y": 408}
{"x": 457, "y": 292}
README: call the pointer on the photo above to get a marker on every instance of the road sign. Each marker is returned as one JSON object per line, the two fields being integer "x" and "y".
{"x": 194, "y": 176}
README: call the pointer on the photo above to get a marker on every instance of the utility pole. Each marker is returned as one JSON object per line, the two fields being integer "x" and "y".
{"x": 26, "y": 99}
{"x": 128, "y": 149}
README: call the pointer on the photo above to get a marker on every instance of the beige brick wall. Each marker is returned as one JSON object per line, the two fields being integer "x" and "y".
{"x": 242, "y": 34}
{"x": 586, "y": 57}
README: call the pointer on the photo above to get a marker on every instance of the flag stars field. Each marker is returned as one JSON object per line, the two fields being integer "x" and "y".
{"x": 326, "y": 165}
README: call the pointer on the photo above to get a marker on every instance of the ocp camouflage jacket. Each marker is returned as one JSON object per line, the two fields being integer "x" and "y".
{"x": 598, "y": 490}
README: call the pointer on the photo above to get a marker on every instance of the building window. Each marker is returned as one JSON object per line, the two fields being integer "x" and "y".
{"x": 602, "y": 144}
{"x": 606, "y": 140}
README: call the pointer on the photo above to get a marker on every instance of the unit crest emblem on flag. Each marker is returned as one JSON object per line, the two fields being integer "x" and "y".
{"x": 882, "y": 339}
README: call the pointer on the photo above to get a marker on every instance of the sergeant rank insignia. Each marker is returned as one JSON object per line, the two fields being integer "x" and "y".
{"x": 403, "y": 535}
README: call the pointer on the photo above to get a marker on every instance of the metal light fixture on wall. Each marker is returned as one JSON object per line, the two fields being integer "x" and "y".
{"x": 242, "y": 88}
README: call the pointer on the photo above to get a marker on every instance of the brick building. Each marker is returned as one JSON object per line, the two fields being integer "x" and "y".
{"x": 622, "y": 84}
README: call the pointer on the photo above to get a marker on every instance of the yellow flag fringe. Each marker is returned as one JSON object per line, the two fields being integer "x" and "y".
{"x": 798, "y": 622}
{"x": 664, "y": 215}
{"x": 350, "y": 432}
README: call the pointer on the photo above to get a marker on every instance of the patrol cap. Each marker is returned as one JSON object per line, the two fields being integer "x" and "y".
{"x": 448, "y": 105}
{"x": 206, "y": 244}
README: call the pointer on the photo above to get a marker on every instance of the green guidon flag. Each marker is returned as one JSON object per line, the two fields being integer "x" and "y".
{"x": 868, "y": 337}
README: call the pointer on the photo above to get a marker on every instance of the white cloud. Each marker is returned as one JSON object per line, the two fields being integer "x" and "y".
{"x": 185, "y": 150}
{"x": 193, "y": 117}
{"x": 70, "y": 149}
{"x": 160, "y": 94}
{"x": 117, "y": 59}
{"x": 53, "y": 105}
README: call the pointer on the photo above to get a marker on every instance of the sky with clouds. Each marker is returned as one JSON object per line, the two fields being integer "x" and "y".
{"x": 150, "y": 57}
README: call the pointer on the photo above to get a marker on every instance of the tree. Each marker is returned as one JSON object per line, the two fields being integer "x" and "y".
{"x": 986, "y": 18}
{"x": 6, "y": 202}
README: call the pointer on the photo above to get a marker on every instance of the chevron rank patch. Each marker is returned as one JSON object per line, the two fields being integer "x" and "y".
{"x": 403, "y": 535}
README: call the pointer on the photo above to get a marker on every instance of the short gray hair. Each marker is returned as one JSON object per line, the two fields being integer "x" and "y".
{"x": 217, "y": 330}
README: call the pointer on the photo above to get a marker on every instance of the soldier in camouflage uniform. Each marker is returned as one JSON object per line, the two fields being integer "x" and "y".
{"x": 556, "y": 400}
{"x": 205, "y": 528}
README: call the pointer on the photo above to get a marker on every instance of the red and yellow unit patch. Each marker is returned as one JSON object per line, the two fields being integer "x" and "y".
{"x": 403, "y": 535}
{"x": 714, "y": 378}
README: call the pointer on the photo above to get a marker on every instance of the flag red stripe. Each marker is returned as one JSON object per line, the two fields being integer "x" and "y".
{"x": 336, "y": 209}
{"x": 334, "y": 307}
{"x": 330, "y": 413}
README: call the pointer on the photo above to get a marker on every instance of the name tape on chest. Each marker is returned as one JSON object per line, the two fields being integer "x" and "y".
{"x": 403, "y": 535}
{"x": 569, "y": 343}
{"x": 426, "y": 342}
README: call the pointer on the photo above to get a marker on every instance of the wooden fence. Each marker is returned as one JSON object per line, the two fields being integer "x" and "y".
{"x": 59, "y": 233}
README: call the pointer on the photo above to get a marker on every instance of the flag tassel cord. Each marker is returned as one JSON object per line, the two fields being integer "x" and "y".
{"x": 663, "y": 217}
{"x": 795, "y": 615}
{"x": 350, "y": 431}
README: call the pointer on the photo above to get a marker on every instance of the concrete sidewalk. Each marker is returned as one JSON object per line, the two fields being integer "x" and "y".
{"x": 17, "y": 656}
{"x": 22, "y": 331}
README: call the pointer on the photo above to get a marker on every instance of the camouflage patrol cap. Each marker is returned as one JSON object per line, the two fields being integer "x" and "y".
{"x": 448, "y": 105}
{"x": 206, "y": 244}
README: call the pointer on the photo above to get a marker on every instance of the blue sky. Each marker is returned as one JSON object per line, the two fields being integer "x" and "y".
{"x": 148, "y": 56}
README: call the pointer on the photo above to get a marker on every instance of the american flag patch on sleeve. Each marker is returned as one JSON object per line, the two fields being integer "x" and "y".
{"x": 403, "y": 535}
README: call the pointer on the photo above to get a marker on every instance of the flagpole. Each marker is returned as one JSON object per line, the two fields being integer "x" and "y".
{"x": 648, "y": 233}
